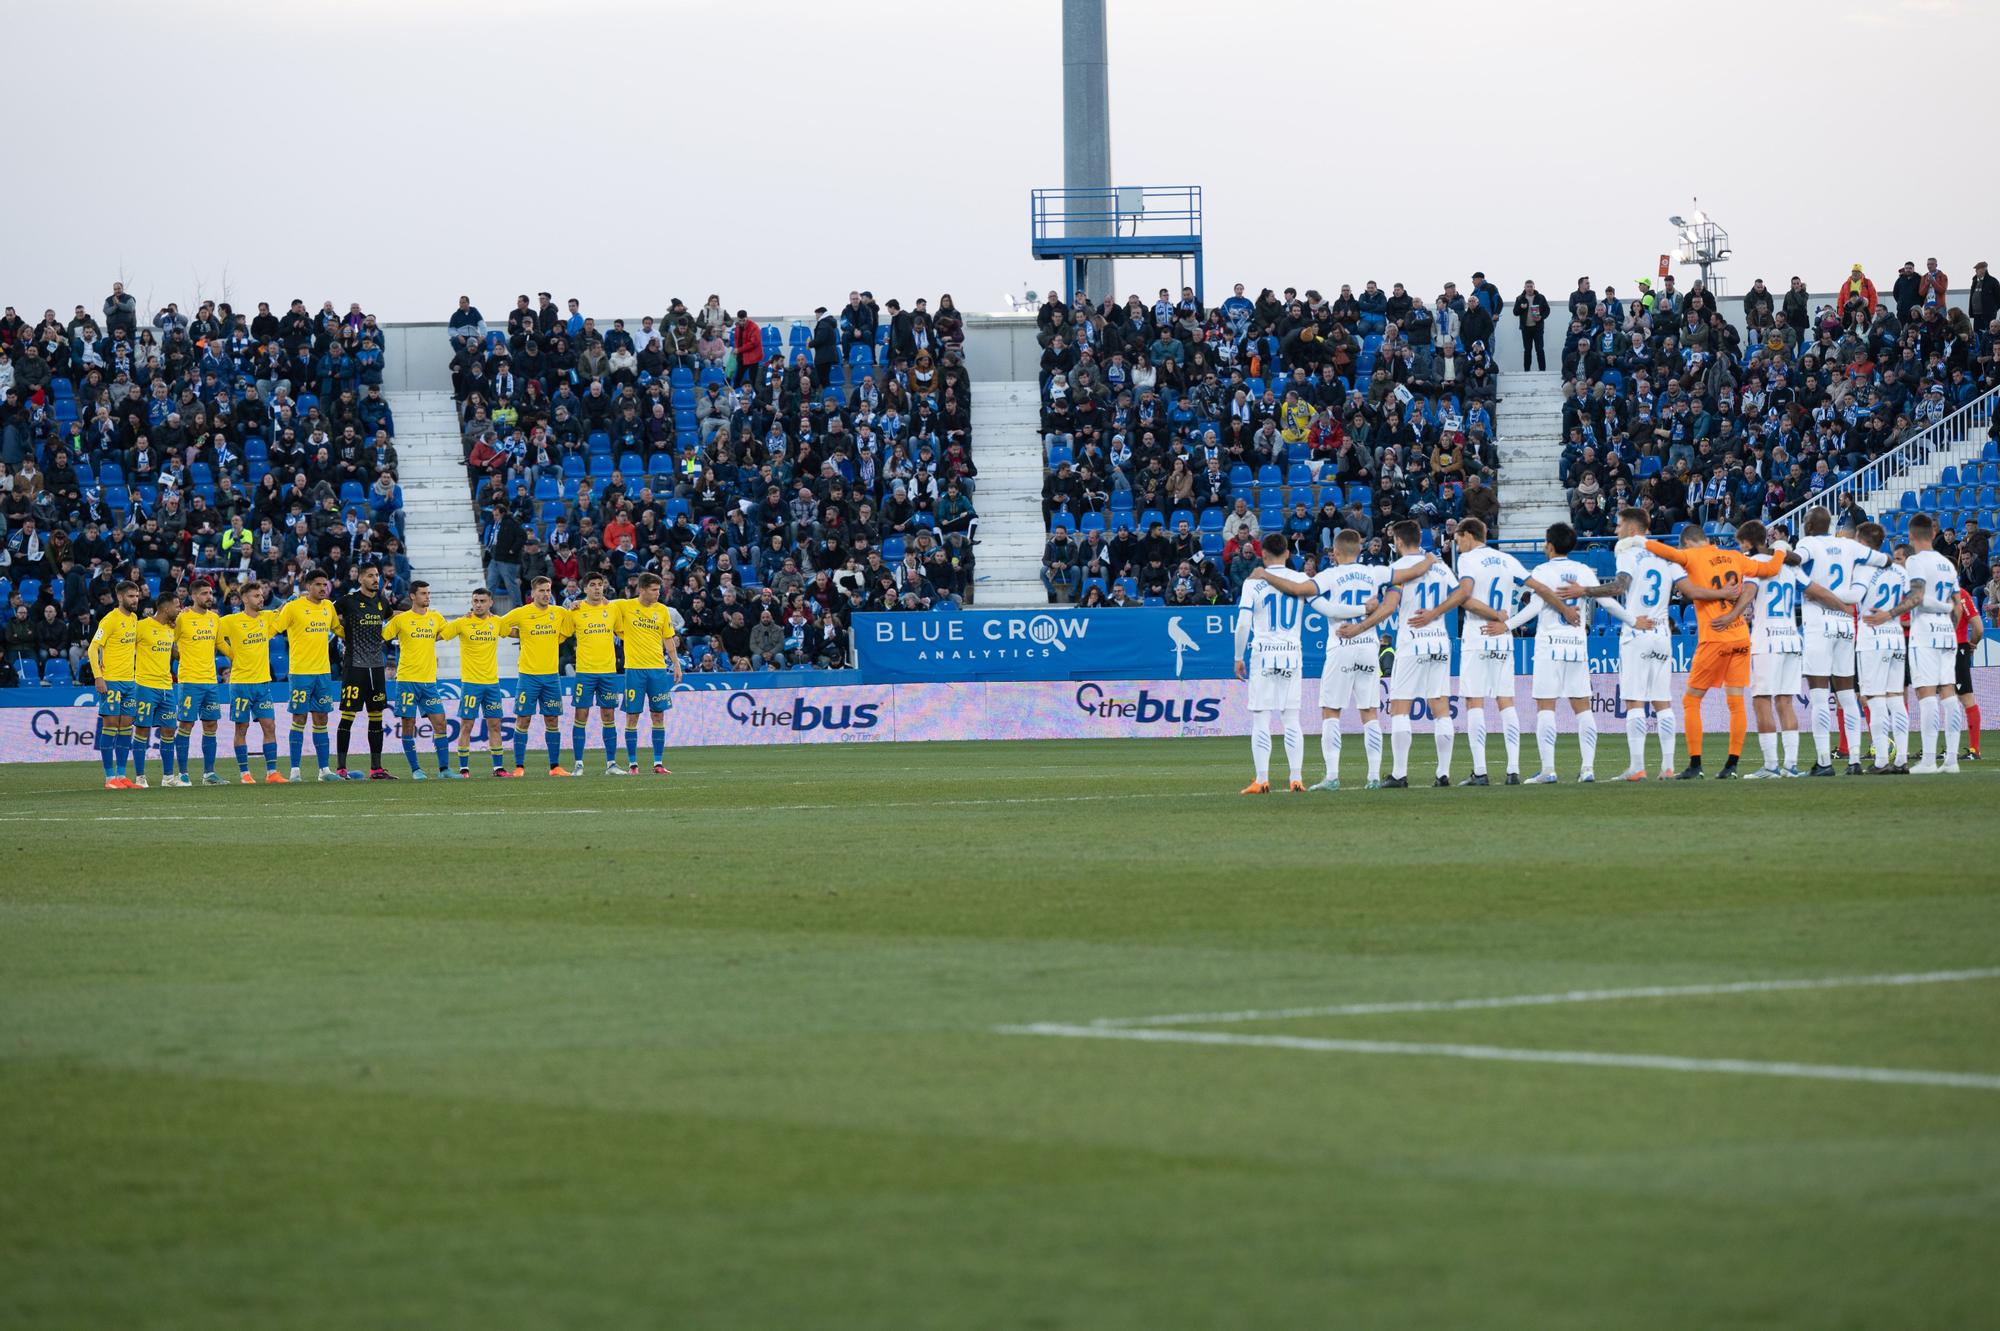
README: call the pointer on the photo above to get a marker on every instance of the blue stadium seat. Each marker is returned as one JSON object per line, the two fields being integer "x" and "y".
{"x": 599, "y": 443}
{"x": 1178, "y": 516}
{"x": 1130, "y": 586}
{"x": 1271, "y": 518}
{"x": 56, "y": 671}
{"x": 1332, "y": 494}
{"x": 1950, "y": 476}
{"x": 1098, "y": 583}
{"x": 600, "y": 466}
{"x": 1211, "y": 519}
{"x": 1121, "y": 519}
{"x": 1211, "y": 544}
{"x": 153, "y": 585}
{"x": 661, "y": 465}
{"x": 678, "y": 508}
{"x": 1239, "y": 479}
{"x": 352, "y": 493}
{"x": 1060, "y": 453}
{"x": 1299, "y": 475}
{"x": 774, "y": 345}
{"x": 1269, "y": 479}
{"x": 682, "y": 399}
{"x": 25, "y": 667}
{"x": 861, "y": 354}
{"x": 892, "y": 549}
{"x": 1062, "y": 522}
{"x": 62, "y": 388}
{"x": 1151, "y": 516}
{"x": 573, "y": 466}
{"x": 680, "y": 377}
{"x": 31, "y": 590}
{"x": 685, "y": 423}
{"x": 202, "y": 474}
{"x": 799, "y": 338}
{"x": 1908, "y": 503}
{"x": 1090, "y": 522}
{"x": 632, "y": 464}
{"x": 6, "y": 589}
{"x": 546, "y": 488}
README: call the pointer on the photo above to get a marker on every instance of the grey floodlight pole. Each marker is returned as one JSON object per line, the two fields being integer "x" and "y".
{"x": 1087, "y": 129}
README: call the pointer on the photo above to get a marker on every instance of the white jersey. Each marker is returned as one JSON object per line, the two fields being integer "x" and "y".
{"x": 1496, "y": 583}
{"x": 1349, "y": 587}
{"x": 1930, "y": 623}
{"x": 1274, "y": 618}
{"x": 1649, "y": 590}
{"x": 1776, "y": 630}
{"x": 1427, "y": 592}
{"x": 1835, "y": 563}
{"x": 1550, "y": 630}
{"x": 1882, "y": 588}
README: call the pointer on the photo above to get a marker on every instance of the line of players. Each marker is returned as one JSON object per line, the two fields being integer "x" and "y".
{"x": 1829, "y": 615}
{"x": 157, "y": 677}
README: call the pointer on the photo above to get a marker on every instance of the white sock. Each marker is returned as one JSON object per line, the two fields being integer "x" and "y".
{"x": 1767, "y": 741}
{"x": 1475, "y": 733}
{"x": 1329, "y": 746}
{"x": 1371, "y": 739}
{"x": 1850, "y": 707}
{"x": 1790, "y": 740}
{"x": 1663, "y": 721}
{"x": 1295, "y": 746}
{"x": 1510, "y": 734}
{"x": 1954, "y": 726}
{"x": 1635, "y": 738}
{"x": 1444, "y": 734}
{"x": 1260, "y": 744}
{"x": 1927, "y": 719}
{"x": 1586, "y": 735}
{"x": 1822, "y": 724}
{"x": 1545, "y": 739}
{"x": 1878, "y": 729}
{"x": 1899, "y": 727}
{"x": 1399, "y": 745}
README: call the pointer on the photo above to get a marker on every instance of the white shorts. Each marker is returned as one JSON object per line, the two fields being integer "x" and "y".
{"x": 1645, "y": 667}
{"x": 1275, "y": 678}
{"x": 1418, "y": 676}
{"x": 1933, "y": 667}
{"x": 1560, "y": 679}
{"x": 1879, "y": 674}
{"x": 1827, "y": 656}
{"x": 1486, "y": 676}
{"x": 1776, "y": 674}
{"x": 1352, "y": 676}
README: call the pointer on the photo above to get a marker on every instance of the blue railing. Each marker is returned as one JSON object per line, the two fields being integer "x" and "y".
{"x": 1128, "y": 212}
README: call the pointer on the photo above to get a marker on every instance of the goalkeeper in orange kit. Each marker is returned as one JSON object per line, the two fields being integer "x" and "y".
{"x": 1718, "y": 582}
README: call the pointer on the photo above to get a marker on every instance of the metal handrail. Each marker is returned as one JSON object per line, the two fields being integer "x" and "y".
{"x": 1052, "y": 212}
{"x": 1916, "y": 451}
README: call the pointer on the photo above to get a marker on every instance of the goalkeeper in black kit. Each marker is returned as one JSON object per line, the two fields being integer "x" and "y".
{"x": 364, "y": 666}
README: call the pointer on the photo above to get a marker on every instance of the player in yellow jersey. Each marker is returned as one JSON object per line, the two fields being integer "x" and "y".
{"x": 478, "y": 637}
{"x": 245, "y": 638}
{"x": 111, "y": 651}
{"x": 200, "y": 695}
{"x": 646, "y": 626}
{"x": 541, "y": 626}
{"x": 154, "y": 709}
{"x": 593, "y": 623}
{"x": 308, "y": 622}
{"x": 416, "y": 694}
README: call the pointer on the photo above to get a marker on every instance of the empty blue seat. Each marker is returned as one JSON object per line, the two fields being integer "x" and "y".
{"x": 1332, "y": 494}
{"x": 56, "y": 671}
{"x": 1090, "y": 522}
{"x": 685, "y": 423}
{"x": 892, "y": 549}
{"x": 682, "y": 398}
{"x": 680, "y": 377}
{"x": 546, "y": 487}
{"x": 774, "y": 345}
{"x": 202, "y": 474}
{"x": 661, "y": 465}
{"x": 25, "y": 667}
{"x": 632, "y": 464}
{"x": 1211, "y": 519}
{"x": 1269, "y": 478}
{"x": 1121, "y": 519}
{"x": 677, "y": 508}
{"x": 1950, "y": 476}
{"x": 31, "y": 590}
{"x": 1300, "y": 474}
{"x": 62, "y": 388}
{"x": 352, "y": 493}
{"x": 599, "y": 443}
{"x": 573, "y": 465}
{"x": 1211, "y": 543}
{"x": 1060, "y": 453}
{"x": 1239, "y": 478}
{"x": 1062, "y": 522}
{"x": 1271, "y": 517}
{"x": 600, "y": 465}
{"x": 1151, "y": 516}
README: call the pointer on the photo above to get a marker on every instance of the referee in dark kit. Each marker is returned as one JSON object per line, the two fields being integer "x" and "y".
{"x": 363, "y": 683}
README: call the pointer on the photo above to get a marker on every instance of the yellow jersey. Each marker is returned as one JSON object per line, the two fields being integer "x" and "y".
{"x": 246, "y": 640}
{"x": 307, "y": 627}
{"x": 479, "y": 654}
{"x": 153, "y": 665}
{"x": 646, "y": 631}
{"x": 595, "y": 629}
{"x": 418, "y": 631}
{"x": 113, "y": 645}
{"x": 541, "y": 630}
{"x": 194, "y": 637}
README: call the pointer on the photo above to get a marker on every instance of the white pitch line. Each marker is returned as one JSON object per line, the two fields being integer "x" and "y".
{"x": 266, "y": 812}
{"x": 1500, "y": 1054}
{"x": 1550, "y": 1000}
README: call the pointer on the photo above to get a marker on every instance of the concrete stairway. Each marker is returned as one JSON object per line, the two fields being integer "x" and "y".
{"x": 1007, "y": 445}
{"x": 1529, "y": 424}
{"x": 441, "y": 530}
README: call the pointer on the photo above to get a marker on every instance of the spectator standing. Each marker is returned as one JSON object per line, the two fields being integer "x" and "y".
{"x": 1933, "y": 285}
{"x": 503, "y": 553}
{"x": 121, "y": 312}
{"x": 749, "y": 349}
{"x": 1531, "y": 307}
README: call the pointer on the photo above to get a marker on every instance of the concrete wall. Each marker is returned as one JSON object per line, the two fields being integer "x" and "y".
{"x": 997, "y": 346}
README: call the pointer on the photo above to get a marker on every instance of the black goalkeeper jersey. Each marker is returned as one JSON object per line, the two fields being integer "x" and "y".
{"x": 361, "y": 621}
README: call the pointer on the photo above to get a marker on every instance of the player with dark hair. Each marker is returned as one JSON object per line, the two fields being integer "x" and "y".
{"x": 363, "y": 612}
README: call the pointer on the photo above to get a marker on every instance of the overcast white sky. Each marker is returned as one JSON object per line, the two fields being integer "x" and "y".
{"x": 398, "y": 152}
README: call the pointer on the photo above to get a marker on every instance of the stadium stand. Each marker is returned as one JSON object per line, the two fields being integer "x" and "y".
{"x": 778, "y": 479}
{"x": 1169, "y": 427}
{"x": 221, "y": 444}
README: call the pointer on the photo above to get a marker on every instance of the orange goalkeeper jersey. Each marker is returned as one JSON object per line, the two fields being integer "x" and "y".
{"x": 1720, "y": 570}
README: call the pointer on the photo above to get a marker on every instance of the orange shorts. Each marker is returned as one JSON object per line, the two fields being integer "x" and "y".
{"x": 1720, "y": 665}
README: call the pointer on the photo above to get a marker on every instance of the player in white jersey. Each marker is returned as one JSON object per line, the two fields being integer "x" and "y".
{"x": 1562, "y": 656}
{"x": 1832, "y": 565}
{"x": 1638, "y": 596}
{"x": 1423, "y": 654}
{"x": 1777, "y": 660}
{"x": 1933, "y": 648}
{"x": 1351, "y": 679}
{"x": 1881, "y": 656}
{"x": 1489, "y": 584}
{"x": 1267, "y": 627}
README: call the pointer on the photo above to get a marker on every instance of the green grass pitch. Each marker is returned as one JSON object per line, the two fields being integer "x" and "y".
{"x": 727, "y": 1049}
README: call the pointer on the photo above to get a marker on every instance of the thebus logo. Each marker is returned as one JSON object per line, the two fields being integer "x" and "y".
{"x": 50, "y": 728}
{"x": 1148, "y": 710}
{"x": 802, "y": 716}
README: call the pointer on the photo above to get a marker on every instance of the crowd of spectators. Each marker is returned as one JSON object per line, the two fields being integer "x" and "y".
{"x": 219, "y": 444}
{"x": 777, "y": 480}
{"x": 1670, "y": 407}
{"x": 1174, "y": 430}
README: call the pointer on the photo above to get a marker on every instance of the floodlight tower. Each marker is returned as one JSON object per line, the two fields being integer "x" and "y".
{"x": 1087, "y": 130}
{"x": 1703, "y": 244}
